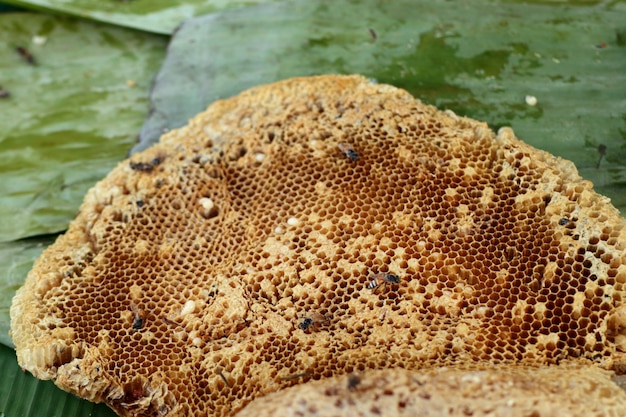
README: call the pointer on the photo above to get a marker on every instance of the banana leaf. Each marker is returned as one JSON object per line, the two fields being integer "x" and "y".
{"x": 5, "y": 8}
{"x": 161, "y": 16}
{"x": 479, "y": 59}
{"x": 72, "y": 103}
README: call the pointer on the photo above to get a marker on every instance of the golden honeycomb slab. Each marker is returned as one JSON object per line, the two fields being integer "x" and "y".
{"x": 318, "y": 227}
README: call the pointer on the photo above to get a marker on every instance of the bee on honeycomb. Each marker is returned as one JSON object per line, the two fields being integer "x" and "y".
{"x": 381, "y": 279}
{"x": 138, "y": 316}
{"x": 349, "y": 151}
{"x": 314, "y": 321}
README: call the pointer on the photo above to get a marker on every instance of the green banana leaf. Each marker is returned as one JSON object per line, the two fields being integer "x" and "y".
{"x": 70, "y": 115}
{"x": 5, "y": 8}
{"x": 479, "y": 59}
{"x": 160, "y": 16}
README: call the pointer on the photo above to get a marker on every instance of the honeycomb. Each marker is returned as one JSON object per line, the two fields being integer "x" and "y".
{"x": 320, "y": 227}
{"x": 510, "y": 392}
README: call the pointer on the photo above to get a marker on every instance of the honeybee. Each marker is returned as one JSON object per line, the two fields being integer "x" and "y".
{"x": 348, "y": 151}
{"x": 141, "y": 166}
{"x": 353, "y": 381}
{"x": 510, "y": 253}
{"x": 381, "y": 279}
{"x": 146, "y": 166}
{"x": 138, "y": 316}
{"x": 313, "y": 321}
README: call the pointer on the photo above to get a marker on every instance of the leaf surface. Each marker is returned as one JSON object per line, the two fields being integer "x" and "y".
{"x": 70, "y": 117}
{"x": 158, "y": 16}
